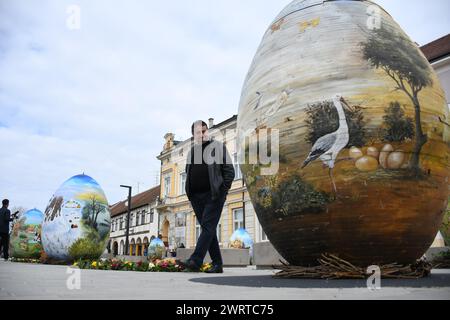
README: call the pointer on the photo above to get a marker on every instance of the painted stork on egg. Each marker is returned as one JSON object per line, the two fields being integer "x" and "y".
{"x": 328, "y": 147}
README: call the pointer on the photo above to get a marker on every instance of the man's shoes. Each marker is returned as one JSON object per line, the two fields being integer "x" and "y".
{"x": 189, "y": 265}
{"x": 215, "y": 269}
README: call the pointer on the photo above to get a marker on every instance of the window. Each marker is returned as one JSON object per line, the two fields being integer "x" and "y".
{"x": 152, "y": 214}
{"x": 166, "y": 185}
{"x": 238, "y": 219}
{"x": 112, "y": 226}
{"x": 121, "y": 223}
{"x": 131, "y": 219}
{"x": 219, "y": 233}
{"x": 262, "y": 233}
{"x": 182, "y": 183}
{"x": 237, "y": 170}
{"x": 143, "y": 217}
{"x": 198, "y": 229}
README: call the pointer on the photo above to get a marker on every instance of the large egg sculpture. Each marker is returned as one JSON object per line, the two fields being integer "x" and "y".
{"x": 77, "y": 221}
{"x": 329, "y": 76}
{"x": 26, "y": 235}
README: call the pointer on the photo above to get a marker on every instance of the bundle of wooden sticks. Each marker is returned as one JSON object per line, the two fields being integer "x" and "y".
{"x": 332, "y": 267}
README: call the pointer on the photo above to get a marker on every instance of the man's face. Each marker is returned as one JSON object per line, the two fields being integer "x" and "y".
{"x": 200, "y": 133}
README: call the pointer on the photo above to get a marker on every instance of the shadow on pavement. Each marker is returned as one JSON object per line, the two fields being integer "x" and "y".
{"x": 435, "y": 280}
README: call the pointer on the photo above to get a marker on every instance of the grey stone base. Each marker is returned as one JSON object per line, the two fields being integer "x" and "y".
{"x": 265, "y": 255}
{"x": 433, "y": 253}
{"x": 231, "y": 257}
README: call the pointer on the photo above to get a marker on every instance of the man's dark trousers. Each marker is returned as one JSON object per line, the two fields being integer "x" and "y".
{"x": 208, "y": 214}
{"x": 4, "y": 244}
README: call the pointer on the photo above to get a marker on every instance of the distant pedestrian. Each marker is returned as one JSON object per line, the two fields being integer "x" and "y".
{"x": 5, "y": 219}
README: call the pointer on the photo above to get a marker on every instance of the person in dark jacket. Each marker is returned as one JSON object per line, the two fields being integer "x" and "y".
{"x": 5, "y": 219}
{"x": 209, "y": 175}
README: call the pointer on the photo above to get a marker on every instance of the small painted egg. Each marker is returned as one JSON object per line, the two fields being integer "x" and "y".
{"x": 395, "y": 160}
{"x": 384, "y": 154}
{"x": 355, "y": 153}
{"x": 373, "y": 152}
{"x": 367, "y": 163}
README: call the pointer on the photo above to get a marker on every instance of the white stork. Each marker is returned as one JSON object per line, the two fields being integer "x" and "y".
{"x": 328, "y": 147}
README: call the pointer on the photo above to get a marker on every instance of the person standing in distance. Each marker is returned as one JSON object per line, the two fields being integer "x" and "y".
{"x": 5, "y": 219}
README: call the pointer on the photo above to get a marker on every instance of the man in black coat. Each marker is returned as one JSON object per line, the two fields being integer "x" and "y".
{"x": 209, "y": 175}
{"x": 5, "y": 219}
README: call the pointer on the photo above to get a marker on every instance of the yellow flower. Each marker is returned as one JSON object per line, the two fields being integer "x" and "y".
{"x": 75, "y": 264}
{"x": 206, "y": 267}
{"x": 94, "y": 264}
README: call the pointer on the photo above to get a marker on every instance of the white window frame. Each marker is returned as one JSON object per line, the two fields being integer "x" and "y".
{"x": 143, "y": 217}
{"x": 152, "y": 216}
{"x": 237, "y": 170}
{"x": 198, "y": 230}
{"x": 219, "y": 232}
{"x": 240, "y": 222}
{"x": 167, "y": 186}
{"x": 262, "y": 234}
{"x": 182, "y": 183}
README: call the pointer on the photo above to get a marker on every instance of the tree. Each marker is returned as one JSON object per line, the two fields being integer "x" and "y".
{"x": 322, "y": 118}
{"x": 398, "y": 127}
{"x": 401, "y": 60}
{"x": 92, "y": 210}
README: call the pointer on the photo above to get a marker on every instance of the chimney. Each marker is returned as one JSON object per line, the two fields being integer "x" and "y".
{"x": 210, "y": 123}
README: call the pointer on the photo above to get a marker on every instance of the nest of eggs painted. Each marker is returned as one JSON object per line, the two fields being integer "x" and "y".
{"x": 364, "y": 144}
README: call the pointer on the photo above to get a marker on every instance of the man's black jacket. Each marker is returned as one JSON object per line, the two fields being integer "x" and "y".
{"x": 5, "y": 219}
{"x": 221, "y": 173}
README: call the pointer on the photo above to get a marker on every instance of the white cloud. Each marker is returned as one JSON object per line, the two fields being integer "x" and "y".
{"x": 100, "y": 99}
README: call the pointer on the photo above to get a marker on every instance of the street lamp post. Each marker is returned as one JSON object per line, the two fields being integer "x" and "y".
{"x": 128, "y": 220}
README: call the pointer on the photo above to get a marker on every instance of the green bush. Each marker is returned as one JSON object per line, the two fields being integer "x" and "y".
{"x": 85, "y": 249}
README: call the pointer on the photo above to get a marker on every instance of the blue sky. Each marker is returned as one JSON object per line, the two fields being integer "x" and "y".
{"x": 100, "y": 99}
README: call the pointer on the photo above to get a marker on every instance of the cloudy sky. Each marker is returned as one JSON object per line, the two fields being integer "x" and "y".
{"x": 100, "y": 98}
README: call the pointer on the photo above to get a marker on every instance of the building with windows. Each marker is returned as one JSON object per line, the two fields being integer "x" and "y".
{"x": 438, "y": 54}
{"x": 178, "y": 224}
{"x": 143, "y": 223}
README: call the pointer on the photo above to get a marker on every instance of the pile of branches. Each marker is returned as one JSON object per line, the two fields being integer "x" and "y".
{"x": 442, "y": 262}
{"x": 332, "y": 267}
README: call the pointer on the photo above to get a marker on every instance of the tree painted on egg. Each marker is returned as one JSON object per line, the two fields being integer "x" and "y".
{"x": 401, "y": 60}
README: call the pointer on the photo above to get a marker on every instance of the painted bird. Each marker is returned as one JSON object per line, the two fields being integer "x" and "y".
{"x": 328, "y": 147}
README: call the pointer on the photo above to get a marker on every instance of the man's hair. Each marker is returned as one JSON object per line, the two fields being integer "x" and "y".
{"x": 5, "y": 202}
{"x": 196, "y": 122}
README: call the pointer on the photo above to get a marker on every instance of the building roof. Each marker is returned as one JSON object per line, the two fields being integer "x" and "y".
{"x": 233, "y": 118}
{"x": 137, "y": 201}
{"x": 177, "y": 142}
{"x": 437, "y": 49}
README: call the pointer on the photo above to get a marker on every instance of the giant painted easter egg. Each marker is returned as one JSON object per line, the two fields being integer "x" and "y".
{"x": 241, "y": 239}
{"x": 25, "y": 241}
{"x": 329, "y": 76}
{"x": 77, "y": 220}
{"x": 156, "y": 249}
